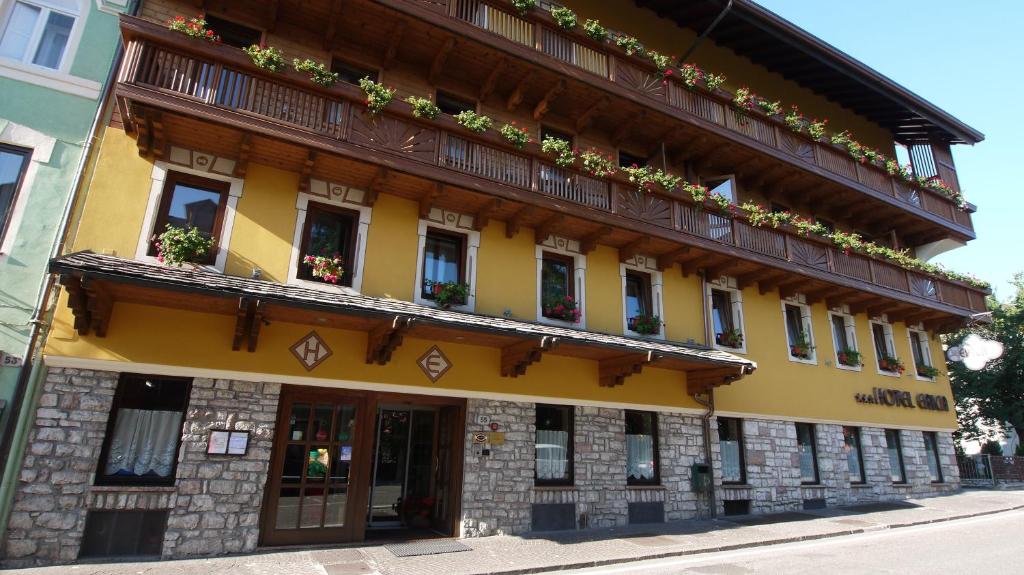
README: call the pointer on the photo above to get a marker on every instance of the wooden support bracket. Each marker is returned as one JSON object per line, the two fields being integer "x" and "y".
{"x": 630, "y": 250}
{"x": 483, "y": 215}
{"x": 667, "y": 260}
{"x": 428, "y": 201}
{"x": 394, "y": 43}
{"x": 614, "y": 371}
{"x": 440, "y": 58}
{"x": 589, "y": 242}
{"x": 384, "y": 339}
{"x": 373, "y": 190}
{"x": 547, "y": 228}
{"x": 587, "y": 117}
{"x": 518, "y": 356}
{"x": 544, "y": 105}
{"x": 492, "y": 80}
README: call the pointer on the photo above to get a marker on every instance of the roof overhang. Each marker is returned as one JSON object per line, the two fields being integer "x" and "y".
{"x": 771, "y": 41}
{"x": 96, "y": 282}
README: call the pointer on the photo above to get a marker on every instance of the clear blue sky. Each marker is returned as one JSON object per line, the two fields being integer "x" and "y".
{"x": 968, "y": 59}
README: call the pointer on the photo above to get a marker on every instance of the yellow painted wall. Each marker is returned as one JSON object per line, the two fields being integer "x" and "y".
{"x": 390, "y": 267}
{"x": 264, "y": 224}
{"x": 504, "y": 262}
{"x": 684, "y": 312}
{"x": 604, "y": 291}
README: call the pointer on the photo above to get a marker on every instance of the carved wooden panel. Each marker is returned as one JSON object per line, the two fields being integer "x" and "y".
{"x": 907, "y": 193}
{"x": 808, "y": 254}
{"x": 647, "y": 207}
{"x": 922, "y": 286}
{"x": 835, "y": 161}
{"x": 642, "y": 81}
{"x": 874, "y": 179}
{"x": 955, "y": 295}
{"x": 797, "y": 146}
{"x": 391, "y": 135}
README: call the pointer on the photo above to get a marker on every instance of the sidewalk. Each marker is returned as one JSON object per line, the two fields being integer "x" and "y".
{"x": 535, "y": 553}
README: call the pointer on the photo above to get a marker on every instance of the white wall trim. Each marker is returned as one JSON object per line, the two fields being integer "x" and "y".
{"x": 648, "y": 265}
{"x": 59, "y": 79}
{"x": 156, "y": 189}
{"x": 806, "y": 324}
{"x": 927, "y": 351}
{"x": 455, "y": 223}
{"x": 728, "y": 285}
{"x": 345, "y": 198}
{"x": 41, "y": 146}
{"x": 890, "y": 341}
{"x": 47, "y": 78}
{"x": 570, "y": 248}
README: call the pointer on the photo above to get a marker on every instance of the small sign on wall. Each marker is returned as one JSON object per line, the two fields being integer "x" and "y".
{"x": 226, "y": 442}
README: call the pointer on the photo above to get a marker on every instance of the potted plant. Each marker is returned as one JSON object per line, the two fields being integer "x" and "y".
{"x": 447, "y": 294}
{"x": 193, "y": 27}
{"x": 564, "y": 309}
{"x": 516, "y": 135}
{"x": 423, "y": 108}
{"x": 645, "y": 324}
{"x": 377, "y": 96}
{"x": 850, "y": 358}
{"x": 730, "y": 338}
{"x": 265, "y": 57}
{"x": 326, "y": 269}
{"x": 474, "y": 122}
{"x": 925, "y": 370}
{"x": 596, "y": 164}
{"x": 319, "y": 74}
{"x": 178, "y": 246}
{"x": 802, "y": 347}
{"x": 891, "y": 364}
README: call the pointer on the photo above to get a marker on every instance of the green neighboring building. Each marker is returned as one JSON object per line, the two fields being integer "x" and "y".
{"x": 55, "y": 58}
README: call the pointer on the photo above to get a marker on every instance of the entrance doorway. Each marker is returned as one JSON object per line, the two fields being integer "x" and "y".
{"x": 347, "y": 461}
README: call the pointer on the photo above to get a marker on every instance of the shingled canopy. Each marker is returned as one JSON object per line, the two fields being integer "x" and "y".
{"x": 95, "y": 282}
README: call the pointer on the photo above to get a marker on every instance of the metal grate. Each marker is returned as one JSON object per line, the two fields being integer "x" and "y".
{"x": 426, "y": 548}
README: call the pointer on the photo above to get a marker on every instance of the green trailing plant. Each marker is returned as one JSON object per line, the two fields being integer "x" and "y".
{"x": 564, "y": 17}
{"x": 691, "y": 75}
{"x": 730, "y": 338}
{"x": 891, "y": 364}
{"x": 899, "y": 170}
{"x": 193, "y": 27}
{"x": 722, "y": 203}
{"x": 524, "y": 6}
{"x": 474, "y": 122}
{"x": 630, "y": 44}
{"x": 816, "y": 128}
{"x": 645, "y": 324}
{"x": 662, "y": 62}
{"x": 595, "y": 30}
{"x": 849, "y": 358}
{"x": 795, "y": 120}
{"x": 318, "y": 73}
{"x": 925, "y": 370}
{"x": 177, "y": 246}
{"x": 423, "y": 107}
{"x": 744, "y": 100}
{"x": 801, "y": 348}
{"x": 646, "y": 178}
{"x": 516, "y": 135}
{"x": 266, "y": 57}
{"x": 596, "y": 164}
{"x": 713, "y": 81}
{"x": 561, "y": 149}
{"x": 447, "y": 294}
{"x": 377, "y": 96}
{"x": 325, "y": 268}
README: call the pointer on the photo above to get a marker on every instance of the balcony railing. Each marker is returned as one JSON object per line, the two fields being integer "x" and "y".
{"x": 638, "y": 76}
{"x": 162, "y": 68}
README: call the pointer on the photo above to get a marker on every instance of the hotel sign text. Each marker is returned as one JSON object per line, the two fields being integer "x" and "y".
{"x": 898, "y": 398}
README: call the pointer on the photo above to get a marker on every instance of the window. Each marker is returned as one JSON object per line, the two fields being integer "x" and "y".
{"x": 885, "y": 350}
{"x": 798, "y": 332}
{"x": 844, "y": 338}
{"x": 451, "y": 104}
{"x": 351, "y": 73}
{"x": 638, "y": 297}
{"x": 922, "y": 355}
{"x": 554, "y": 445}
{"x": 828, "y": 224}
{"x": 730, "y": 443}
{"x": 144, "y": 431}
{"x": 232, "y": 33}
{"x": 443, "y": 261}
{"x": 642, "y": 448}
{"x": 892, "y": 443}
{"x": 724, "y": 315}
{"x": 192, "y": 202}
{"x": 329, "y": 231}
{"x": 931, "y": 448}
{"x": 549, "y": 132}
{"x": 779, "y": 208}
{"x": 13, "y": 164}
{"x": 627, "y": 160}
{"x": 557, "y": 285}
{"x": 39, "y": 34}
{"x": 808, "y": 453}
{"x": 854, "y": 456}
{"x": 724, "y": 185}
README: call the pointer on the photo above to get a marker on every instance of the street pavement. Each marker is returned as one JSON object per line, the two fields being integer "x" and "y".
{"x": 837, "y": 540}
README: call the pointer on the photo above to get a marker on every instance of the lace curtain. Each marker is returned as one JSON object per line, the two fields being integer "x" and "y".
{"x": 730, "y": 461}
{"x": 552, "y": 454}
{"x": 640, "y": 456}
{"x": 807, "y": 463}
{"x": 144, "y": 442}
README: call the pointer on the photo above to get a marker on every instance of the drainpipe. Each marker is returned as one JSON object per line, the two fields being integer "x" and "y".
{"x": 31, "y": 370}
{"x": 709, "y": 403}
{"x": 705, "y": 33}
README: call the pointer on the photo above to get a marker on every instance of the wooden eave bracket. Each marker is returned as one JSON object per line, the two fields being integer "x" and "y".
{"x": 517, "y": 357}
{"x": 698, "y": 382}
{"x": 396, "y": 40}
{"x": 244, "y": 150}
{"x": 492, "y": 80}
{"x": 440, "y": 58}
{"x": 90, "y": 304}
{"x": 428, "y": 201}
{"x": 248, "y": 321}
{"x": 544, "y": 105}
{"x": 630, "y": 250}
{"x": 587, "y": 117}
{"x": 483, "y": 215}
{"x": 384, "y": 339}
{"x": 373, "y": 190}
{"x": 307, "y": 170}
{"x": 547, "y": 228}
{"x": 614, "y": 371}
{"x": 589, "y": 242}
{"x": 667, "y": 260}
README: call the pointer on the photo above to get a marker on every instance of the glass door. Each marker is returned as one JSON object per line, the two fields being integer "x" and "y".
{"x": 402, "y": 493}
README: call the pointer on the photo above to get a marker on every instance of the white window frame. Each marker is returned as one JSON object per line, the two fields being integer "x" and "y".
{"x": 728, "y": 285}
{"x": 41, "y": 146}
{"x": 570, "y": 248}
{"x": 342, "y": 197}
{"x": 456, "y": 223}
{"x": 60, "y": 78}
{"x": 926, "y": 350}
{"x": 890, "y": 340}
{"x": 850, "y": 326}
{"x": 156, "y": 191}
{"x": 647, "y": 265}
{"x": 805, "y": 319}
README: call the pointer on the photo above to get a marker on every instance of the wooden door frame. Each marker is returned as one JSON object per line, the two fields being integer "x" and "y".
{"x": 361, "y": 471}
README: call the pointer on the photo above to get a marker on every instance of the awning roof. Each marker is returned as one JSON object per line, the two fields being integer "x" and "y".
{"x": 84, "y": 268}
{"x": 779, "y": 45}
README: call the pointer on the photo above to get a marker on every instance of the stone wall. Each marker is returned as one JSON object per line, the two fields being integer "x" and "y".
{"x": 214, "y": 506}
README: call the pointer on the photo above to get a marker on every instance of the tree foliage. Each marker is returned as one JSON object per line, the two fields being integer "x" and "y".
{"x": 993, "y": 396}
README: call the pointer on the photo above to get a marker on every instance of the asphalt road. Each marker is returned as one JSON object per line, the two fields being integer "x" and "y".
{"x": 981, "y": 545}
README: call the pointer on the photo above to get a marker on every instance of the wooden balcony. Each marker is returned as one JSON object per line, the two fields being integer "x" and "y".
{"x": 172, "y": 89}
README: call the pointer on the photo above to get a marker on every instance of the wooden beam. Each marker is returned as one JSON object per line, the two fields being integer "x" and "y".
{"x": 373, "y": 190}
{"x": 517, "y": 357}
{"x": 483, "y": 215}
{"x": 100, "y": 305}
{"x": 700, "y": 262}
{"x": 393, "y": 43}
{"x": 428, "y": 201}
{"x": 667, "y": 260}
{"x": 440, "y": 58}
{"x": 547, "y": 228}
{"x": 816, "y": 295}
{"x": 768, "y": 284}
{"x": 143, "y": 135}
{"x": 838, "y": 297}
{"x": 256, "y": 324}
{"x": 614, "y": 371}
{"x": 587, "y": 117}
{"x": 516, "y": 97}
{"x": 244, "y": 149}
{"x": 706, "y": 160}
{"x": 544, "y": 105}
{"x": 385, "y": 338}
{"x": 744, "y": 280}
{"x": 721, "y": 269}
{"x": 515, "y": 223}
{"x": 273, "y": 8}
{"x": 790, "y": 289}
{"x": 77, "y": 303}
{"x": 332, "y": 24}
{"x": 589, "y": 242}
{"x": 704, "y": 380}
{"x": 307, "y": 170}
{"x": 630, "y": 250}
{"x": 492, "y": 79}
{"x": 158, "y": 145}
{"x": 626, "y": 127}
{"x": 241, "y": 323}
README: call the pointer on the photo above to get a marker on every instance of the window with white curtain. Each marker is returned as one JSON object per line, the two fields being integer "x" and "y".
{"x": 641, "y": 448}
{"x": 730, "y": 443}
{"x": 38, "y": 32}
{"x": 144, "y": 431}
{"x": 554, "y": 448}
{"x": 808, "y": 453}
